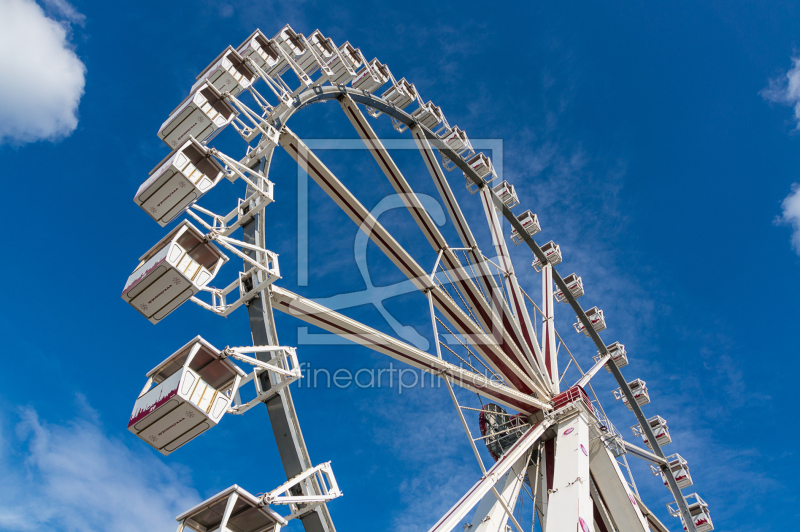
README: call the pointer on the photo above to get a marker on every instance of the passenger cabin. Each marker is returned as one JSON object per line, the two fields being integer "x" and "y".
{"x": 172, "y": 271}
{"x": 264, "y": 53}
{"x": 185, "y": 395}
{"x": 596, "y": 318}
{"x": 660, "y": 430}
{"x": 530, "y": 222}
{"x": 679, "y": 469}
{"x": 372, "y": 77}
{"x": 202, "y": 115}
{"x": 227, "y": 73}
{"x": 323, "y": 48}
{"x": 455, "y": 139}
{"x": 618, "y": 355}
{"x": 428, "y": 115}
{"x": 178, "y": 182}
{"x": 639, "y": 391}
{"x": 552, "y": 253}
{"x": 482, "y": 165}
{"x": 574, "y": 285}
{"x": 401, "y": 94}
{"x": 505, "y": 191}
{"x": 234, "y": 510}
{"x": 698, "y": 509}
{"x": 344, "y": 64}
{"x": 291, "y": 42}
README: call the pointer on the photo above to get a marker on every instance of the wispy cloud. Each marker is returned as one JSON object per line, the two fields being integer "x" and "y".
{"x": 43, "y": 81}
{"x": 785, "y": 89}
{"x": 74, "y": 476}
{"x": 790, "y": 215}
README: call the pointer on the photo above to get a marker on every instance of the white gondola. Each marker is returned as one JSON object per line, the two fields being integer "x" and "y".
{"x": 290, "y": 42}
{"x": 178, "y": 182}
{"x": 202, "y": 115}
{"x": 263, "y": 52}
{"x": 401, "y": 94}
{"x": 660, "y": 430}
{"x": 552, "y": 253}
{"x": 193, "y": 389}
{"x": 639, "y": 391}
{"x": 618, "y": 355}
{"x": 679, "y": 469}
{"x": 596, "y": 318}
{"x": 455, "y": 139}
{"x": 574, "y": 285}
{"x": 482, "y": 165}
{"x": 428, "y": 115}
{"x": 318, "y": 47}
{"x": 172, "y": 271}
{"x": 233, "y": 509}
{"x": 505, "y": 191}
{"x": 698, "y": 510}
{"x": 530, "y": 222}
{"x": 343, "y": 65}
{"x": 227, "y": 73}
{"x": 372, "y": 77}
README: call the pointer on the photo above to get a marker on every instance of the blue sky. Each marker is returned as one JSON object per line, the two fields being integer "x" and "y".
{"x": 657, "y": 143}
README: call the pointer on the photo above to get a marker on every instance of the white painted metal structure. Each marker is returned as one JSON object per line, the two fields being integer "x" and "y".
{"x": 557, "y": 446}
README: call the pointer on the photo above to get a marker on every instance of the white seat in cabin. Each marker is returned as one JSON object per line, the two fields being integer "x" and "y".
{"x": 401, "y": 94}
{"x": 679, "y": 468}
{"x": 428, "y": 115}
{"x": 343, "y": 65}
{"x": 263, "y": 52}
{"x": 227, "y": 73}
{"x": 193, "y": 389}
{"x": 660, "y": 430}
{"x": 291, "y": 42}
{"x": 505, "y": 191}
{"x": 530, "y": 222}
{"x": 698, "y": 509}
{"x": 596, "y": 318}
{"x": 574, "y": 285}
{"x": 638, "y": 389}
{"x": 172, "y": 271}
{"x": 232, "y": 510}
{"x": 618, "y": 355}
{"x": 552, "y": 253}
{"x": 178, "y": 182}
{"x": 371, "y": 77}
{"x": 202, "y": 115}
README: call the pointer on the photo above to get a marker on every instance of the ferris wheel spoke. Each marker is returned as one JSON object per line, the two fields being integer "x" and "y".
{"x": 336, "y": 323}
{"x": 488, "y": 348}
{"x": 456, "y": 514}
{"x": 488, "y": 283}
{"x": 614, "y": 492}
{"x": 495, "y": 327}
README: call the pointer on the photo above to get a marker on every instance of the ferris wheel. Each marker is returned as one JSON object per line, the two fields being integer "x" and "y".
{"x": 549, "y": 440}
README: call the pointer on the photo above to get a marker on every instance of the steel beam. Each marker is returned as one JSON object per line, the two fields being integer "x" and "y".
{"x": 502, "y": 330}
{"x": 484, "y": 344}
{"x": 333, "y": 322}
{"x": 280, "y": 407}
{"x": 570, "y": 502}
{"x": 457, "y": 513}
{"x": 490, "y": 516}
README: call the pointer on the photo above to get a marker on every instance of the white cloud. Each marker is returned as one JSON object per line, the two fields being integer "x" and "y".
{"x": 786, "y": 89}
{"x": 791, "y": 215}
{"x": 43, "y": 78}
{"x": 73, "y": 476}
